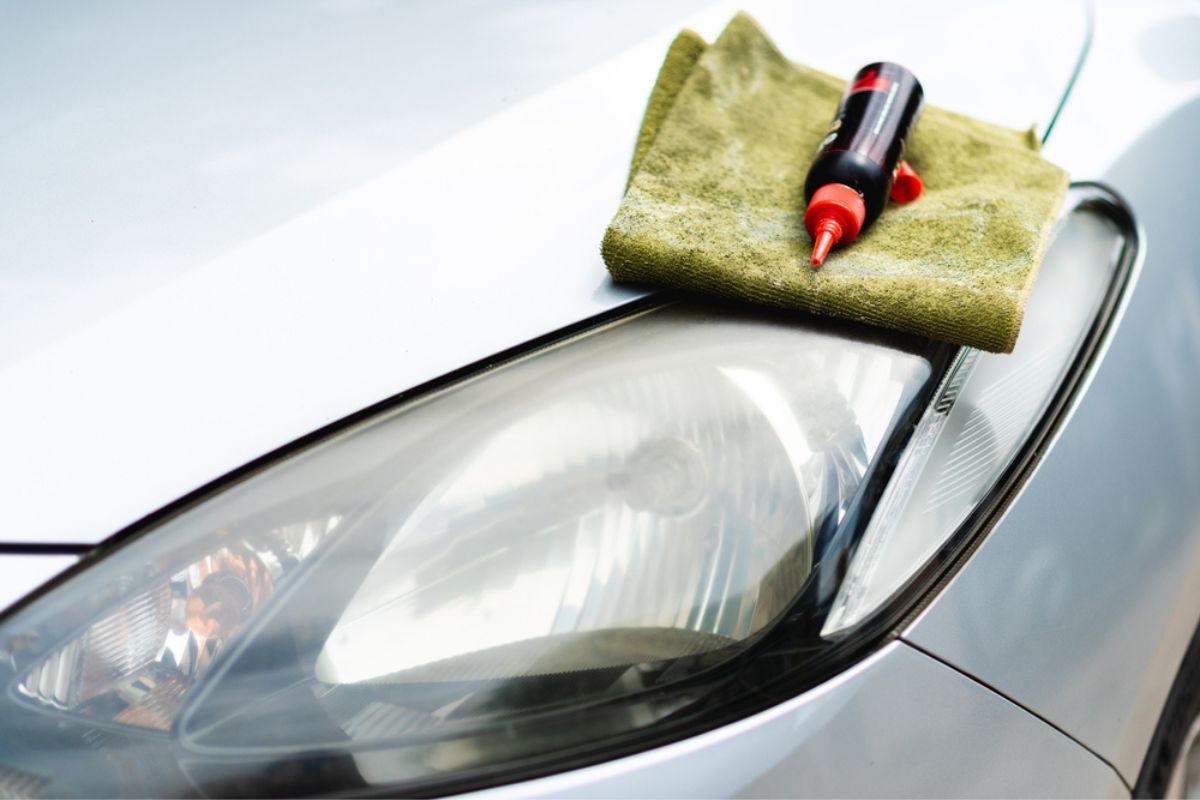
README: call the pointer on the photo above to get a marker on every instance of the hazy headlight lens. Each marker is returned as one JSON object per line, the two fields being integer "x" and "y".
{"x": 532, "y": 560}
{"x": 647, "y": 528}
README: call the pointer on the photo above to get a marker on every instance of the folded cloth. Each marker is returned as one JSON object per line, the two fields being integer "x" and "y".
{"x": 715, "y": 201}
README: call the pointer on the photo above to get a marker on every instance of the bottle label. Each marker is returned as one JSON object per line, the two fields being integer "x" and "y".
{"x": 876, "y": 114}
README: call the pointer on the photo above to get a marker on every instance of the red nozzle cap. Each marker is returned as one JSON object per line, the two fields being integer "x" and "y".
{"x": 907, "y": 186}
{"x": 835, "y": 216}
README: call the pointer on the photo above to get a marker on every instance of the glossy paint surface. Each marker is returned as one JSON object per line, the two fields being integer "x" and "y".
{"x": 21, "y": 573}
{"x": 1080, "y": 604}
{"x": 270, "y": 261}
{"x": 141, "y": 141}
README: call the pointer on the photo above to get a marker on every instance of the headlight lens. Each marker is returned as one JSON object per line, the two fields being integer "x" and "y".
{"x": 453, "y": 584}
{"x": 624, "y": 537}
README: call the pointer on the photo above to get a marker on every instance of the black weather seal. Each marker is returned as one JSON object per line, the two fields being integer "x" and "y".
{"x": 1175, "y": 727}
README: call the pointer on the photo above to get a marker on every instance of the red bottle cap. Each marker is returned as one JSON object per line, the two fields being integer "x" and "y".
{"x": 835, "y": 216}
{"x": 907, "y": 186}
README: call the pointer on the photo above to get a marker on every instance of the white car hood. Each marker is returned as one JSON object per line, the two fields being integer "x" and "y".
{"x": 476, "y": 244}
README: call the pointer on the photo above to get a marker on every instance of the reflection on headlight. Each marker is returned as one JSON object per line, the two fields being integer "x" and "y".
{"x": 135, "y": 665}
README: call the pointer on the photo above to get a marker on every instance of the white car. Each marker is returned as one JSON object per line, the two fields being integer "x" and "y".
{"x": 334, "y": 463}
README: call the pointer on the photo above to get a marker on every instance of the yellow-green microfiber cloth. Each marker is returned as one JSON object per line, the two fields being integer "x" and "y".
{"x": 715, "y": 201}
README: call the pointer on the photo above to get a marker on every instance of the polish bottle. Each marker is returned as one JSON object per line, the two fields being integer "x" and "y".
{"x": 858, "y": 164}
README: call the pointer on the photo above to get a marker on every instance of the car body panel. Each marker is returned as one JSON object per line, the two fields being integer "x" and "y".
{"x": 478, "y": 243}
{"x": 1081, "y": 602}
{"x": 900, "y": 724}
{"x": 479, "y": 233}
{"x": 140, "y": 141}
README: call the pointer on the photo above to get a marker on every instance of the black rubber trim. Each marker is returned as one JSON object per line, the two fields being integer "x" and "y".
{"x": 1180, "y": 711}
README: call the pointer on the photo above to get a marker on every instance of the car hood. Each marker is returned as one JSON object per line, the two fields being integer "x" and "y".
{"x": 165, "y": 326}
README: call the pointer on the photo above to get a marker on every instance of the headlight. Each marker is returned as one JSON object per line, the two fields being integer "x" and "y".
{"x": 627, "y": 537}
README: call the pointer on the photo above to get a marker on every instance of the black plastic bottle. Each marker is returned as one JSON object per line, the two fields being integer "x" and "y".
{"x": 849, "y": 182}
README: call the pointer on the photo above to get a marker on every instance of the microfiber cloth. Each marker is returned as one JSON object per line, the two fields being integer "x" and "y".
{"x": 715, "y": 201}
